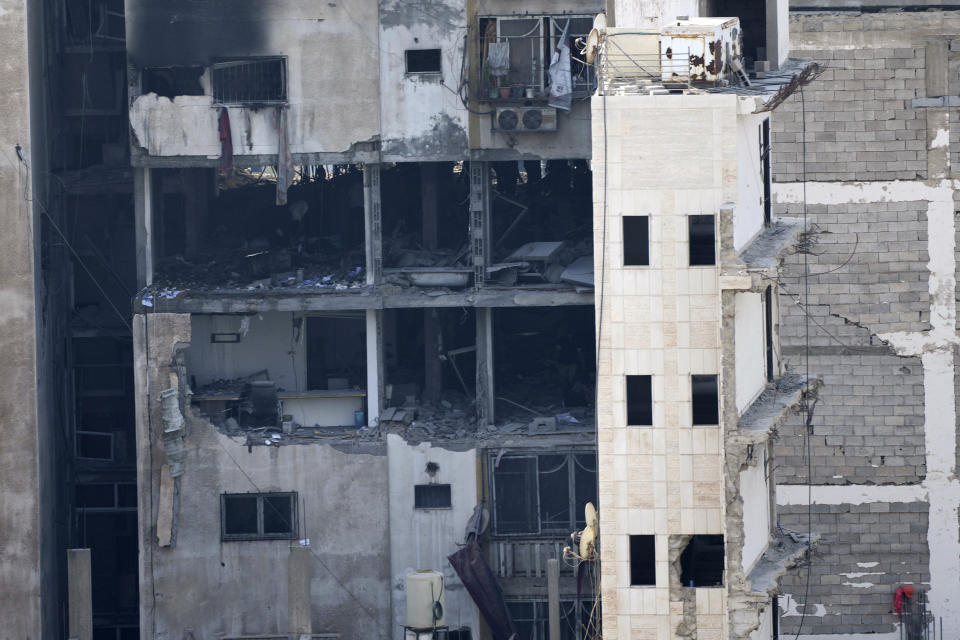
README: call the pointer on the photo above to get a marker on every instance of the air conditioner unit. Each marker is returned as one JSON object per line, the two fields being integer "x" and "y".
{"x": 525, "y": 119}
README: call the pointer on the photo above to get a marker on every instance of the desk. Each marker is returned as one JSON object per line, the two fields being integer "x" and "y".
{"x": 330, "y": 408}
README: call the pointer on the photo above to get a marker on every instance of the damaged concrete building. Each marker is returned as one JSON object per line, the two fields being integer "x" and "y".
{"x": 341, "y": 314}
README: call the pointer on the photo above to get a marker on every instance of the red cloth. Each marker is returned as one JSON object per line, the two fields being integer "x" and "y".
{"x": 905, "y": 591}
{"x": 226, "y": 143}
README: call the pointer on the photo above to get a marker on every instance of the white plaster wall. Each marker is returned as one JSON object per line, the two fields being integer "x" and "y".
{"x": 755, "y": 491}
{"x": 332, "y": 57}
{"x": 765, "y": 631}
{"x": 266, "y": 345}
{"x": 748, "y": 348}
{"x": 422, "y": 114}
{"x": 783, "y": 30}
{"x": 653, "y": 13}
{"x": 423, "y": 538}
{"x": 748, "y": 214}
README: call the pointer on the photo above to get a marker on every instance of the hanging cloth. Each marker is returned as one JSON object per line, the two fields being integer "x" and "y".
{"x": 226, "y": 143}
{"x": 284, "y": 159}
{"x": 561, "y": 83}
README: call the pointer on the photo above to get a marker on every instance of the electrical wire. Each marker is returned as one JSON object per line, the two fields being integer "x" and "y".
{"x": 312, "y": 552}
{"x": 807, "y": 417}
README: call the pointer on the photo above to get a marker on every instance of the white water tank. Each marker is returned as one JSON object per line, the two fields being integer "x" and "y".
{"x": 425, "y": 599}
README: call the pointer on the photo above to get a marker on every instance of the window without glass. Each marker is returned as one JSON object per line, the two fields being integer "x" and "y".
{"x": 702, "y": 241}
{"x": 636, "y": 241}
{"x": 431, "y": 496}
{"x": 250, "y": 81}
{"x": 705, "y": 400}
{"x": 643, "y": 571}
{"x": 640, "y": 400}
{"x": 258, "y": 516}
{"x": 701, "y": 563}
{"x": 542, "y": 494}
{"x": 423, "y": 61}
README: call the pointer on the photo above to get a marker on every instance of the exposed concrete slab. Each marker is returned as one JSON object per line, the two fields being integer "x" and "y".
{"x": 360, "y": 298}
{"x": 770, "y": 409}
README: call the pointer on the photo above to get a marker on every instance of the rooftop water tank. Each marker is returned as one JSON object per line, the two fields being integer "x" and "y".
{"x": 425, "y": 599}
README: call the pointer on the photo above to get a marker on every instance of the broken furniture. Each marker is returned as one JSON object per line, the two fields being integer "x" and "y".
{"x": 259, "y": 406}
{"x": 330, "y": 408}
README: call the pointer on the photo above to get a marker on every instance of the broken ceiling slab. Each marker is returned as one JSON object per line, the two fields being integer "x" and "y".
{"x": 535, "y": 252}
{"x": 770, "y": 409}
{"x": 781, "y": 555}
{"x": 580, "y": 272}
{"x": 768, "y": 248}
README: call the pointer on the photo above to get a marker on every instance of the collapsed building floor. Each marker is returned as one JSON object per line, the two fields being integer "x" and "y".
{"x": 226, "y": 232}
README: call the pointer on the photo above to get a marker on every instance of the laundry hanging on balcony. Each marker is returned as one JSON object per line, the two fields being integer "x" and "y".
{"x": 561, "y": 83}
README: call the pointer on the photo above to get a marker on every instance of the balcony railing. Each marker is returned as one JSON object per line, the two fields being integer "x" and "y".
{"x": 513, "y": 558}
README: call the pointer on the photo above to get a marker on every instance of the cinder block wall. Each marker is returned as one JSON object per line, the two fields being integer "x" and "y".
{"x": 880, "y": 306}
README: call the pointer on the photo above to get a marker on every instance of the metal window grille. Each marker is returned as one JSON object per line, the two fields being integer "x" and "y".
{"x": 431, "y": 496}
{"x": 252, "y": 81}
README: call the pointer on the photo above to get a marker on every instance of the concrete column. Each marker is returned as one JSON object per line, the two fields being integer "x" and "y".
{"x": 432, "y": 344}
{"x": 433, "y": 373}
{"x": 485, "y": 385}
{"x": 479, "y": 221}
{"x": 375, "y": 366}
{"x": 553, "y": 597}
{"x": 299, "y": 573}
{"x": 79, "y": 594}
{"x": 143, "y": 210}
{"x": 373, "y": 232}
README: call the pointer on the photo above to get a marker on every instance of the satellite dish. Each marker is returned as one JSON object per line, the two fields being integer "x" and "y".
{"x": 596, "y": 34}
{"x": 587, "y": 543}
{"x": 593, "y": 45}
{"x": 600, "y": 24}
{"x": 590, "y": 516}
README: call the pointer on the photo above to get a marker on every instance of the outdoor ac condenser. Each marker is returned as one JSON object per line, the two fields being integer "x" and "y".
{"x": 525, "y": 119}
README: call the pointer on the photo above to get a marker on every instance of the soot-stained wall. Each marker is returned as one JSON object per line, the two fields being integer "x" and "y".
{"x": 187, "y": 32}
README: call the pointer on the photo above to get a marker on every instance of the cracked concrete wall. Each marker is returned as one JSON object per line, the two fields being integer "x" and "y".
{"x": 882, "y": 323}
{"x": 866, "y": 552}
{"x": 245, "y": 582}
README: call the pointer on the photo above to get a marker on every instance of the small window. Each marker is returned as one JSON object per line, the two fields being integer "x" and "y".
{"x": 643, "y": 568}
{"x": 431, "y": 496}
{"x": 705, "y": 400}
{"x": 251, "y": 81}
{"x": 701, "y": 563}
{"x": 424, "y": 61}
{"x": 259, "y": 516}
{"x": 702, "y": 241}
{"x": 636, "y": 241}
{"x": 640, "y": 400}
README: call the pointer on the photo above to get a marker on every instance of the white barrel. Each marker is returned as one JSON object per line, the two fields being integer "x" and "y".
{"x": 425, "y": 608}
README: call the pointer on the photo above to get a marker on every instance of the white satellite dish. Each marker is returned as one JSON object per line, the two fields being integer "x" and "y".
{"x": 600, "y": 24}
{"x": 593, "y": 40}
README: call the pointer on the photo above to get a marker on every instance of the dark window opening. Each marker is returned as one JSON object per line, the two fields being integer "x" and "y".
{"x": 753, "y": 26}
{"x": 643, "y": 567}
{"x": 701, "y": 563}
{"x": 258, "y": 516}
{"x": 636, "y": 241}
{"x": 431, "y": 496}
{"x": 424, "y": 61}
{"x": 253, "y": 81}
{"x": 768, "y": 330}
{"x": 640, "y": 401}
{"x": 543, "y": 494}
{"x": 170, "y": 82}
{"x": 336, "y": 353}
{"x": 705, "y": 400}
{"x": 702, "y": 241}
{"x": 531, "y": 618}
{"x": 765, "y": 170}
